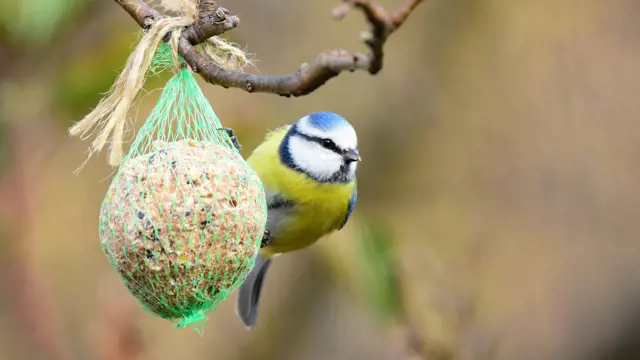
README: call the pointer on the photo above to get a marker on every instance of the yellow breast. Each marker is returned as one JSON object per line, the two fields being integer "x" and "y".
{"x": 320, "y": 207}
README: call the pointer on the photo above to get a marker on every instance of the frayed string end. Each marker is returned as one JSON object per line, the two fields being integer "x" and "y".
{"x": 112, "y": 112}
{"x": 109, "y": 117}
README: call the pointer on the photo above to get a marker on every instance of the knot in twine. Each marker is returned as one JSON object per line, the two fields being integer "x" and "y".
{"x": 111, "y": 113}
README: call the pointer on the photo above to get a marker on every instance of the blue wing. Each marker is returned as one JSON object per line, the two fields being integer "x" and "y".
{"x": 352, "y": 204}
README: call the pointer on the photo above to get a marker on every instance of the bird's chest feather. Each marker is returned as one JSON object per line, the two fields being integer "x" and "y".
{"x": 301, "y": 221}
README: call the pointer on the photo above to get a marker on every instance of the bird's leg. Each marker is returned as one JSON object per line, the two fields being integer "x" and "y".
{"x": 234, "y": 139}
{"x": 266, "y": 239}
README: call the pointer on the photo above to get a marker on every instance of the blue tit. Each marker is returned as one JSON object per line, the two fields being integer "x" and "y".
{"x": 308, "y": 170}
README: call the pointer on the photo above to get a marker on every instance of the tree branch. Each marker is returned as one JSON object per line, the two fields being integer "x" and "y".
{"x": 142, "y": 13}
{"x": 214, "y": 20}
{"x": 207, "y": 6}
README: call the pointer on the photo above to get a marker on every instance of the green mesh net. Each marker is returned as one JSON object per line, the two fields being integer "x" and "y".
{"x": 184, "y": 216}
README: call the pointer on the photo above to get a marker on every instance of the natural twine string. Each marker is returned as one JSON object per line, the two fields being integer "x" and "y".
{"x": 110, "y": 115}
{"x": 225, "y": 54}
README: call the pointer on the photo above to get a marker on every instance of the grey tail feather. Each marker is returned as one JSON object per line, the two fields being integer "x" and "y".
{"x": 249, "y": 292}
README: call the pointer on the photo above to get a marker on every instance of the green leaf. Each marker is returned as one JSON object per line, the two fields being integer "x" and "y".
{"x": 377, "y": 256}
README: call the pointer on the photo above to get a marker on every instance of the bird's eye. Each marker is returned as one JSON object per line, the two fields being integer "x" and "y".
{"x": 327, "y": 143}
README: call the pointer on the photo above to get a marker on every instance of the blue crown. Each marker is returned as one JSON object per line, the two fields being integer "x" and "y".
{"x": 325, "y": 120}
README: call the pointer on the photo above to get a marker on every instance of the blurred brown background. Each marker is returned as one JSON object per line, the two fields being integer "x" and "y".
{"x": 500, "y": 144}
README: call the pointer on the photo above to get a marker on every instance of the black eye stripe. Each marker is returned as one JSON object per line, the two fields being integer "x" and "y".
{"x": 332, "y": 146}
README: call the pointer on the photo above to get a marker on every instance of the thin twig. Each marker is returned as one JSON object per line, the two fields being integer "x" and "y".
{"x": 214, "y": 20}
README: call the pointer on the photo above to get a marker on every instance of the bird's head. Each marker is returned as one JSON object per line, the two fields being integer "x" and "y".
{"x": 322, "y": 145}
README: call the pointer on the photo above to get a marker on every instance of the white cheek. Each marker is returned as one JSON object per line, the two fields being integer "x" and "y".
{"x": 314, "y": 159}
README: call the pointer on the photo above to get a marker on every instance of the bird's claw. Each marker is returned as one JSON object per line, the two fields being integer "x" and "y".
{"x": 266, "y": 239}
{"x": 234, "y": 139}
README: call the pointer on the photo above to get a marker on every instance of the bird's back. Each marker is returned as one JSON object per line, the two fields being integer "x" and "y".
{"x": 301, "y": 209}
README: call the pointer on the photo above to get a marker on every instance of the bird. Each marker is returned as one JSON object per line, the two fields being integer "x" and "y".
{"x": 308, "y": 171}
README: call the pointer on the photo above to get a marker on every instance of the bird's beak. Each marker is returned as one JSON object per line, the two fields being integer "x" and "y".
{"x": 352, "y": 155}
